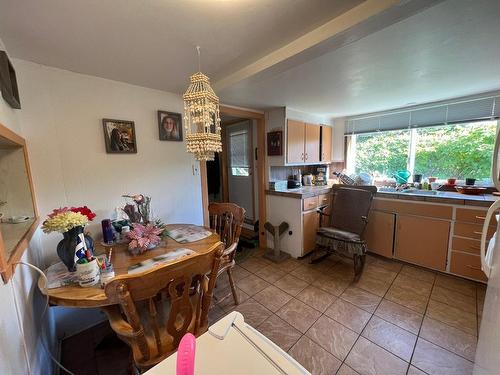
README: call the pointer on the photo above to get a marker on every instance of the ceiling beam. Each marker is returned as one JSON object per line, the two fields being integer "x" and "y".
{"x": 335, "y": 26}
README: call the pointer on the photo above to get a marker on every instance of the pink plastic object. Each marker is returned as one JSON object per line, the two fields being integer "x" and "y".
{"x": 186, "y": 354}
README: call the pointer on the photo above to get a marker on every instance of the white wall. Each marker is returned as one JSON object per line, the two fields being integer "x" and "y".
{"x": 21, "y": 350}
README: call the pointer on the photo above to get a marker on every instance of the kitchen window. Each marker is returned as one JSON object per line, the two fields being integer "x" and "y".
{"x": 454, "y": 150}
{"x": 238, "y": 153}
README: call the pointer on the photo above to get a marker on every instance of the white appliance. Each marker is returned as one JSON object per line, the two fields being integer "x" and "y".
{"x": 487, "y": 361}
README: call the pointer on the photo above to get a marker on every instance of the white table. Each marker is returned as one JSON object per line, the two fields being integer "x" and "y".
{"x": 233, "y": 347}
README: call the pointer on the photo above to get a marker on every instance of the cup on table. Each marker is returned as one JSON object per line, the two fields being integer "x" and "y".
{"x": 470, "y": 181}
{"x": 432, "y": 179}
{"x": 88, "y": 273}
{"x": 435, "y": 185}
{"x": 451, "y": 181}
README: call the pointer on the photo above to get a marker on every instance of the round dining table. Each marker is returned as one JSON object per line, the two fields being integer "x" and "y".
{"x": 122, "y": 259}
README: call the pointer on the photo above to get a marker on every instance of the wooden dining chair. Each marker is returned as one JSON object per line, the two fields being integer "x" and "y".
{"x": 227, "y": 219}
{"x": 153, "y": 326}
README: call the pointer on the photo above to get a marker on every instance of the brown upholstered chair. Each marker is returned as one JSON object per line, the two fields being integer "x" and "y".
{"x": 344, "y": 232}
{"x": 227, "y": 219}
{"x": 153, "y": 326}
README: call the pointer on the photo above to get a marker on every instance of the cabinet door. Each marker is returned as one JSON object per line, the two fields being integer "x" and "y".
{"x": 379, "y": 233}
{"x": 326, "y": 143}
{"x": 422, "y": 241}
{"x": 312, "y": 143}
{"x": 295, "y": 141}
{"x": 310, "y": 226}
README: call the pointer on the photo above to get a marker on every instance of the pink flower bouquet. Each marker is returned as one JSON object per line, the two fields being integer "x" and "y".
{"x": 143, "y": 238}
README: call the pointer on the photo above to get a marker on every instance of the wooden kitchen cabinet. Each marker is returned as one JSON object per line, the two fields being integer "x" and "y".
{"x": 379, "y": 233}
{"x": 422, "y": 241}
{"x": 310, "y": 226}
{"x": 312, "y": 144}
{"x": 326, "y": 143}
{"x": 295, "y": 141}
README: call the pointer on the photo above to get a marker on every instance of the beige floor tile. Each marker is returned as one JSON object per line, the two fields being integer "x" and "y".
{"x": 399, "y": 315}
{"x": 342, "y": 270}
{"x": 390, "y": 337}
{"x": 272, "y": 298}
{"x": 388, "y": 264}
{"x": 435, "y": 360}
{"x": 314, "y": 358}
{"x": 452, "y": 316}
{"x": 252, "y": 264}
{"x": 279, "y": 332}
{"x": 372, "y": 284}
{"x": 450, "y": 338}
{"x": 370, "y": 359}
{"x": 288, "y": 265}
{"x": 415, "y": 371}
{"x": 253, "y": 312}
{"x": 412, "y": 284}
{"x": 349, "y": 315}
{"x": 361, "y": 298}
{"x": 307, "y": 274}
{"x": 332, "y": 336}
{"x": 270, "y": 274}
{"x": 455, "y": 299}
{"x": 407, "y": 298}
{"x": 239, "y": 273}
{"x": 291, "y": 284}
{"x": 346, "y": 370}
{"x": 380, "y": 273}
{"x": 252, "y": 285}
{"x": 227, "y": 303}
{"x": 316, "y": 298}
{"x": 419, "y": 273}
{"x": 332, "y": 285}
{"x": 459, "y": 285}
{"x": 298, "y": 315}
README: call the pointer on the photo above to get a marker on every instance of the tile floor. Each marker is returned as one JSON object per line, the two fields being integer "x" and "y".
{"x": 398, "y": 319}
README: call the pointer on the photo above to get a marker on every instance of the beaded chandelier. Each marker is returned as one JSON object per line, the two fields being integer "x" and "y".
{"x": 201, "y": 117}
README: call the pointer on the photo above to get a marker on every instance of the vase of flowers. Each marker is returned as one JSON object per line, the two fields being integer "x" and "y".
{"x": 71, "y": 223}
{"x": 143, "y": 238}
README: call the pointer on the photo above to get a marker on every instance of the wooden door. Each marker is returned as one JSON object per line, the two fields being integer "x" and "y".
{"x": 312, "y": 143}
{"x": 310, "y": 226}
{"x": 295, "y": 141}
{"x": 422, "y": 241}
{"x": 379, "y": 233}
{"x": 326, "y": 143}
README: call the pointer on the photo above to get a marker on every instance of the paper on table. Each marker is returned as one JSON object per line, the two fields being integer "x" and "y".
{"x": 159, "y": 260}
{"x": 190, "y": 233}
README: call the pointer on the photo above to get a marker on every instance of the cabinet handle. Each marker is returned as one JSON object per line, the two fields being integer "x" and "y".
{"x": 306, "y": 155}
{"x": 473, "y": 267}
{"x": 302, "y": 156}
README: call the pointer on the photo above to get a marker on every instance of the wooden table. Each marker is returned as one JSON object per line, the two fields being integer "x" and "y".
{"x": 76, "y": 296}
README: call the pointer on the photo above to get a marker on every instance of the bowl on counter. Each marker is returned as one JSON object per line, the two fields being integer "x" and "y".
{"x": 471, "y": 190}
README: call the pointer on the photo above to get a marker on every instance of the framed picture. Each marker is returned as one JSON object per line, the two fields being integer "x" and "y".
{"x": 119, "y": 136}
{"x": 170, "y": 126}
{"x": 274, "y": 143}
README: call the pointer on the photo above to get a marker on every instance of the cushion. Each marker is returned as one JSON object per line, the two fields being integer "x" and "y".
{"x": 338, "y": 234}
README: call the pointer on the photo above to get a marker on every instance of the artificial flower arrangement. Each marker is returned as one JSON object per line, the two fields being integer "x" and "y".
{"x": 143, "y": 238}
{"x": 70, "y": 221}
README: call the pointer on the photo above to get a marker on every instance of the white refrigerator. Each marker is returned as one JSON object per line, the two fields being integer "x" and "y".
{"x": 487, "y": 360}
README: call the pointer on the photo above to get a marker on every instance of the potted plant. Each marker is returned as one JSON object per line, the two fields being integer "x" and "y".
{"x": 71, "y": 223}
{"x": 143, "y": 238}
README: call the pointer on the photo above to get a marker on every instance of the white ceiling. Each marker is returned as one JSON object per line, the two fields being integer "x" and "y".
{"x": 152, "y": 42}
{"x": 446, "y": 51}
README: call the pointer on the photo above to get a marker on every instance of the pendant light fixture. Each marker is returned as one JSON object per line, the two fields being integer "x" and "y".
{"x": 201, "y": 117}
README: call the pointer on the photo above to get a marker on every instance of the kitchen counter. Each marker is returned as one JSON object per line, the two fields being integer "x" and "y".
{"x": 446, "y": 197}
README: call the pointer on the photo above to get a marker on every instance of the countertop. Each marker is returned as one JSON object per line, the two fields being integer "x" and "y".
{"x": 446, "y": 197}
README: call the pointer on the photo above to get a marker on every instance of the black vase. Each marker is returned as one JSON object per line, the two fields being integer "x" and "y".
{"x": 66, "y": 247}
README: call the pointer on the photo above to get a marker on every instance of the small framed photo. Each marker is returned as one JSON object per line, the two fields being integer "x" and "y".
{"x": 274, "y": 143}
{"x": 170, "y": 126}
{"x": 119, "y": 136}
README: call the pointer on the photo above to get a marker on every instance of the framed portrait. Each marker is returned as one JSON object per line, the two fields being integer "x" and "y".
{"x": 119, "y": 136}
{"x": 170, "y": 126}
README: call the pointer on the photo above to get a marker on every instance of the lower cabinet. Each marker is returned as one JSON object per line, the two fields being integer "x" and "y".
{"x": 310, "y": 226}
{"x": 422, "y": 241}
{"x": 379, "y": 233}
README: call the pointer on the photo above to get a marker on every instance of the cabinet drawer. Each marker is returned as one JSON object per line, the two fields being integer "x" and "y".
{"x": 399, "y": 206}
{"x": 324, "y": 199}
{"x": 310, "y": 203}
{"x": 467, "y": 265}
{"x": 473, "y": 216}
{"x": 466, "y": 245}
{"x": 471, "y": 230}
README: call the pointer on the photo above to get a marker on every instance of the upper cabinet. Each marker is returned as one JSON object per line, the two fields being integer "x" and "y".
{"x": 303, "y": 143}
{"x": 312, "y": 145}
{"x": 326, "y": 143}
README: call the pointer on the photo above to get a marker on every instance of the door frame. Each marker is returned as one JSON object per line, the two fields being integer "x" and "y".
{"x": 262, "y": 172}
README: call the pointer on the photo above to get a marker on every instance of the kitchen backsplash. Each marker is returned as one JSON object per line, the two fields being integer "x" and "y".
{"x": 282, "y": 173}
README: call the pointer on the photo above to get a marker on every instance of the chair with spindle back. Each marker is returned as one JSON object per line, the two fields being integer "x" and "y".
{"x": 153, "y": 326}
{"x": 227, "y": 219}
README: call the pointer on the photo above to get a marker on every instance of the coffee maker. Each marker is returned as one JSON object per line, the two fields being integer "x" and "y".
{"x": 321, "y": 175}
